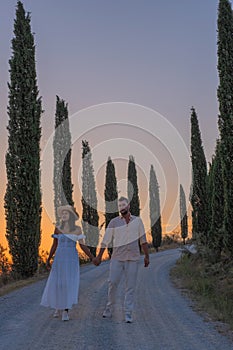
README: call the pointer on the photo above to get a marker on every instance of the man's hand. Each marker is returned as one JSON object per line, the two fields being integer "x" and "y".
{"x": 48, "y": 265}
{"x": 96, "y": 261}
{"x": 146, "y": 252}
{"x": 146, "y": 261}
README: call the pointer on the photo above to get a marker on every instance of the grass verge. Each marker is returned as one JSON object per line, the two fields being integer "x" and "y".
{"x": 209, "y": 285}
{"x": 16, "y": 284}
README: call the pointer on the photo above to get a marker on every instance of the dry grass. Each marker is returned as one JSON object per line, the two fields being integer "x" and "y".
{"x": 209, "y": 285}
{"x": 16, "y": 284}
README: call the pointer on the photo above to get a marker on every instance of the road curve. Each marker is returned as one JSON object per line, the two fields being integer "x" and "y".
{"x": 163, "y": 318}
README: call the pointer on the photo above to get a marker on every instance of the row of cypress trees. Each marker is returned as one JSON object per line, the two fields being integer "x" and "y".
{"x": 90, "y": 218}
{"x": 212, "y": 189}
{"x": 22, "y": 199}
{"x": 211, "y": 193}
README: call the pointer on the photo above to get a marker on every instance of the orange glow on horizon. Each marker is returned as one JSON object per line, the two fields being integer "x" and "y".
{"x": 47, "y": 229}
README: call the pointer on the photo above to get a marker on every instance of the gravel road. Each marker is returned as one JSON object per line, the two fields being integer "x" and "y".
{"x": 163, "y": 318}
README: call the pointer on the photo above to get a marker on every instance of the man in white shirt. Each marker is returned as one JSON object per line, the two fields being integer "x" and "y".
{"x": 124, "y": 231}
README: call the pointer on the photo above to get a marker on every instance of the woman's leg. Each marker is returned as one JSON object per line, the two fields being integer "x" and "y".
{"x": 56, "y": 313}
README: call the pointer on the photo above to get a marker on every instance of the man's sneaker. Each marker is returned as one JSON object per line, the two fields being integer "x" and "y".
{"x": 107, "y": 312}
{"x": 56, "y": 313}
{"x": 128, "y": 317}
{"x": 65, "y": 316}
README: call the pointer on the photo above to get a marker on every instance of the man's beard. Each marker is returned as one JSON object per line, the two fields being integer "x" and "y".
{"x": 124, "y": 211}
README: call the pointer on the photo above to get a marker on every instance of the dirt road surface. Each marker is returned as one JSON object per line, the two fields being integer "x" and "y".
{"x": 163, "y": 317}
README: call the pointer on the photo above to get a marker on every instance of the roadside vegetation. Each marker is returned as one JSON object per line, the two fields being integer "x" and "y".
{"x": 209, "y": 284}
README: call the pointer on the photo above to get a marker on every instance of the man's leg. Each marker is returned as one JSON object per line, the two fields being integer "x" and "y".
{"x": 131, "y": 271}
{"x": 115, "y": 273}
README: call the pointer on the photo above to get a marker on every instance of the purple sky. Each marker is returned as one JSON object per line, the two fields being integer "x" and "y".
{"x": 161, "y": 54}
{"x": 156, "y": 53}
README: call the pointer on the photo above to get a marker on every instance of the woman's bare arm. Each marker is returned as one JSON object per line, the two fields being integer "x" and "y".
{"x": 52, "y": 251}
{"x": 83, "y": 246}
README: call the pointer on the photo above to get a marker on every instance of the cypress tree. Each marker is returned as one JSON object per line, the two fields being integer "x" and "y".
{"x": 132, "y": 187}
{"x": 90, "y": 217}
{"x": 198, "y": 197}
{"x": 210, "y": 190}
{"x": 111, "y": 196}
{"x": 63, "y": 187}
{"x": 132, "y": 190}
{"x": 215, "y": 241}
{"x": 225, "y": 121}
{"x": 183, "y": 215}
{"x": 22, "y": 200}
{"x": 155, "y": 215}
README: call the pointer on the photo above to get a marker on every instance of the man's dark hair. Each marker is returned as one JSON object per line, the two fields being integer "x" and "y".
{"x": 123, "y": 199}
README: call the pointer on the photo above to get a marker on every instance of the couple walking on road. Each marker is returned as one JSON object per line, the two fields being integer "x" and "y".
{"x": 124, "y": 233}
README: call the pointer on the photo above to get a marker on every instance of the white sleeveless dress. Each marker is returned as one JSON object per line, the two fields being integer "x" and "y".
{"x": 62, "y": 286}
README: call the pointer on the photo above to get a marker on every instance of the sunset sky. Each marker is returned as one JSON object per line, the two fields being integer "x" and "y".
{"x": 155, "y": 53}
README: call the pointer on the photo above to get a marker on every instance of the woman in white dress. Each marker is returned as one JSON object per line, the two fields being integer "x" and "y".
{"x": 61, "y": 289}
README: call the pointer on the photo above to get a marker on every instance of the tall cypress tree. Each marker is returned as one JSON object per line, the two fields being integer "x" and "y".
{"x": 198, "y": 196}
{"x": 22, "y": 200}
{"x": 132, "y": 190}
{"x": 132, "y": 187}
{"x": 90, "y": 217}
{"x": 111, "y": 196}
{"x": 216, "y": 197}
{"x": 210, "y": 191}
{"x": 183, "y": 215}
{"x": 225, "y": 121}
{"x": 63, "y": 187}
{"x": 155, "y": 215}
